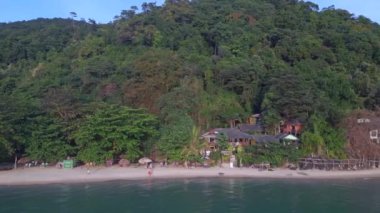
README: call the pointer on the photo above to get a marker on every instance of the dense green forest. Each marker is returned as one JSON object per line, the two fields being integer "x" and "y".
{"x": 158, "y": 76}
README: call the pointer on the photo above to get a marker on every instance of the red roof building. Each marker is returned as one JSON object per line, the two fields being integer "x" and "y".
{"x": 293, "y": 127}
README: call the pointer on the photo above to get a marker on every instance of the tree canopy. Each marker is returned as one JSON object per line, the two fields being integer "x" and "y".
{"x": 77, "y": 87}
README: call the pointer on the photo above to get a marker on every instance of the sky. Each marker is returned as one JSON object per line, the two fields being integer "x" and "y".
{"x": 368, "y": 8}
{"x": 103, "y": 11}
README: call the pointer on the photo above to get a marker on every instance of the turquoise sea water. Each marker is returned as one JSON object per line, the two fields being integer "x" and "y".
{"x": 197, "y": 195}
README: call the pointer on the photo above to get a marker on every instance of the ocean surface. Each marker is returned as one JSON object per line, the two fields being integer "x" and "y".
{"x": 197, "y": 195}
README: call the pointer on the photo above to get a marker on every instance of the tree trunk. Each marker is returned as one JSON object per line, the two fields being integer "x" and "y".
{"x": 15, "y": 165}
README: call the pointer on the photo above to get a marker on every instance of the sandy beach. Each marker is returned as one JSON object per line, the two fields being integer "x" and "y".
{"x": 28, "y": 176}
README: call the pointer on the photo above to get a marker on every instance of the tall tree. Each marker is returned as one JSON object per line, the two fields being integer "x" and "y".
{"x": 112, "y": 131}
{"x": 15, "y": 114}
{"x": 48, "y": 141}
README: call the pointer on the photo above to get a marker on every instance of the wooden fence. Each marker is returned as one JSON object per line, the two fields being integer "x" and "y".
{"x": 334, "y": 164}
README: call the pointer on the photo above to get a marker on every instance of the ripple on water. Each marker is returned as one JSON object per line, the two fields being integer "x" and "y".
{"x": 196, "y": 195}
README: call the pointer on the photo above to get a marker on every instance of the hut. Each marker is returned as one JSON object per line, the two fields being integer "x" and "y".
{"x": 253, "y": 119}
{"x": 293, "y": 127}
{"x": 235, "y": 137}
{"x": 287, "y": 139}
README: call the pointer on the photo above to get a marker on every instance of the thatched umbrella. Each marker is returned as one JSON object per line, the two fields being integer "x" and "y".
{"x": 124, "y": 163}
{"x": 23, "y": 160}
{"x": 145, "y": 160}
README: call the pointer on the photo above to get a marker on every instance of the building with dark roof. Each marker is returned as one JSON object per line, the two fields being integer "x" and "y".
{"x": 263, "y": 139}
{"x": 234, "y": 136}
{"x": 251, "y": 128}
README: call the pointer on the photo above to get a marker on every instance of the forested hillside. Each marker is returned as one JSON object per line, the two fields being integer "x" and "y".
{"x": 159, "y": 75}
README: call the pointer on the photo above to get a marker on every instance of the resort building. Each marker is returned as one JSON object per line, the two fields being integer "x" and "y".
{"x": 234, "y": 136}
{"x": 293, "y": 127}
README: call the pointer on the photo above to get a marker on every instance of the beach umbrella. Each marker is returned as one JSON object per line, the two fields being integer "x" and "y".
{"x": 291, "y": 138}
{"x": 145, "y": 160}
{"x": 23, "y": 160}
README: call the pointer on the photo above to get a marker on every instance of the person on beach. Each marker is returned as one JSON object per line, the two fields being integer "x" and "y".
{"x": 150, "y": 172}
{"x": 88, "y": 165}
{"x": 149, "y": 165}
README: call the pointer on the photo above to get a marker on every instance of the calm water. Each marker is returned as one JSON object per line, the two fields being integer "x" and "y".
{"x": 197, "y": 195}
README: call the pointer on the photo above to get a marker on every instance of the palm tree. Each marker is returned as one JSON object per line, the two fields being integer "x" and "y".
{"x": 191, "y": 152}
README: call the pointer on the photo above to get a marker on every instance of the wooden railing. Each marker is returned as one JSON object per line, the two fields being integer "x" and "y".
{"x": 336, "y": 164}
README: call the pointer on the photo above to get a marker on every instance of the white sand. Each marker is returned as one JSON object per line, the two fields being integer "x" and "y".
{"x": 24, "y": 176}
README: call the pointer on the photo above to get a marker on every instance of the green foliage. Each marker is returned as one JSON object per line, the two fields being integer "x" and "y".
{"x": 5, "y": 149}
{"x": 291, "y": 96}
{"x": 312, "y": 143}
{"x": 222, "y": 145}
{"x": 222, "y": 140}
{"x": 15, "y": 119}
{"x": 207, "y": 60}
{"x": 175, "y": 137}
{"x": 274, "y": 153}
{"x": 219, "y": 106}
{"x": 191, "y": 152}
{"x": 216, "y": 157}
{"x": 323, "y": 140}
{"x": 34, "y": 39}
{"x": 112, "y": 131}
{"x": 180, "y": 100}
{"x": 48, "y": 142}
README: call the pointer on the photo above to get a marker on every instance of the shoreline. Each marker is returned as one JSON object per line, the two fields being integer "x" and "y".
{"x": 52, "y": 175}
